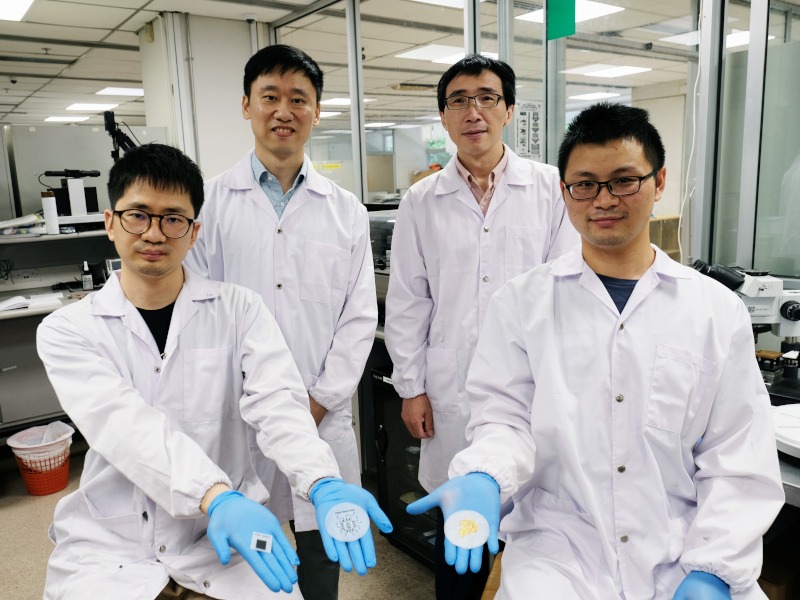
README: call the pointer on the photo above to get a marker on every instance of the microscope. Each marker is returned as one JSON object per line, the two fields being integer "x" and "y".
{"x": 771, "y": 309}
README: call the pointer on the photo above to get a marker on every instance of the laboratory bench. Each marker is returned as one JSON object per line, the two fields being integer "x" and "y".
{"x": 26, "y": 396}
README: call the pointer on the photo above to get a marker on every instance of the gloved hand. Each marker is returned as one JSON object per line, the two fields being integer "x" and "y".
{"x": 232, "y": 520}
{"x": 328, "y": 494}
{"x": 474, "y": 491}
{"x": 698, "y": 585}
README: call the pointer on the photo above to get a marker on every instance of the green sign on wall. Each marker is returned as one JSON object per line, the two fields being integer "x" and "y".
{"x": 560, "y": 18}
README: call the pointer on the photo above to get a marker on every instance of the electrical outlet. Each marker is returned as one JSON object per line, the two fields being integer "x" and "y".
{"x": 25, "y": 276}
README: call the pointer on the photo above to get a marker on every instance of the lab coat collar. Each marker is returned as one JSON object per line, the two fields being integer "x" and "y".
{"x": 112, "y": 302}
{"x": 241, "y": 177}
{"x": 573, "y": 264}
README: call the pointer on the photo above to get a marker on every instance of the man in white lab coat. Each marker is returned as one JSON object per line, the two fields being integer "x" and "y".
{"x": 276, "y": 226}
{"x": 461, "y": 233}
{"x": 616, "y": 398}
{"x": 178, "y": 384}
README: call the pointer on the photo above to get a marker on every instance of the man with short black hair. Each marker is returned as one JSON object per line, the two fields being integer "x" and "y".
{"x": 180, "y": 385}
{"x": 461, "y": 233}
{"x": 617, "y": 401}
{"x": 276, "y": 226}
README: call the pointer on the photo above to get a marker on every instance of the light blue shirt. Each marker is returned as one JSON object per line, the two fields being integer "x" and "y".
{"x": 272, "y": 187}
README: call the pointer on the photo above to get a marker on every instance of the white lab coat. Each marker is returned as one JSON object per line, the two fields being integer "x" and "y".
{"x": 447, "y": 261}
{"x": 636, "y": 447}
{"x": 313, "y": 268}
{"x": 161, "y": 432}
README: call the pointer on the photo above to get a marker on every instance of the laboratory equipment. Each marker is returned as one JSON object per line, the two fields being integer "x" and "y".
{"x": 398, "y": 471}
{"x": 787, "y": 428}
{"x": 771, "y": 308}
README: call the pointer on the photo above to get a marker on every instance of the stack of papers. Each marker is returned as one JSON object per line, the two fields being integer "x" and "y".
{"x": 34, "y": 301}
{"x": 27, "y": 226}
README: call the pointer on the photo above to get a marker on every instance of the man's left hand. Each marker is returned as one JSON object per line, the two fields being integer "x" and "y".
{"x": 317, "y": 410}
{"x": 702, "y": 586}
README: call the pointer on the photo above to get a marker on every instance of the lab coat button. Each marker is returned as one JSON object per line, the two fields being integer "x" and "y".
{"x": 280, "y": 230}
{"x": 621, "y": 326}
{"x": 206, "y": 584}
{"x": 486, "y": 230}
{"x": 279, "y": 286}
{"x": 621, "y": 468}
{"x": 485, "y": 278}
{"x": 619, "y": 398}
{"x": 162, "y": 548}
{"x": 624, "y": 539}
{"x": 158, "y": 369}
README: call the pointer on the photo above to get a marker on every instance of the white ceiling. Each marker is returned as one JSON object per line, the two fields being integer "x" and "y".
{"x": 66, "y": 50}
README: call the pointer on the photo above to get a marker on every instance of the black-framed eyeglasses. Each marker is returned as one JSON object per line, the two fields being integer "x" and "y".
{"x": 619, "y": 186}
{"x": 461, "y": 102}
{"x": 137, "y": 221}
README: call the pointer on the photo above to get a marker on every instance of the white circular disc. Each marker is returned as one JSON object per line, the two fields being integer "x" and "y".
{"x": 466, "y": 529}
{"x": 347, "y": 522}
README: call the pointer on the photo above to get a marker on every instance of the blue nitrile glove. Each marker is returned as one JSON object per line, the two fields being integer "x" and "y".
{"x": 326, "y": 495}
{"x": 702, "y": 586}
{"x": 474, "y": 491}
{"x": 232, "y": 520}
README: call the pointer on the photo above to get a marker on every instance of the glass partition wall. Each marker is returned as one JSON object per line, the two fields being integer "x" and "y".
{"x": 646, "y": 53}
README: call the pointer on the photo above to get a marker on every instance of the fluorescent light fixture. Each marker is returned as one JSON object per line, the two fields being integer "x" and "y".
{"x": 342, "y": 101}
{"x": 430, "y": 52}
{"x": 92, "y": 107}
{"x": 14, "y": 10}
{"x": 406, "y": 126}
{"x": 379, "y": 125}
{"x": 584, "y": 10}
{"x": 740, "y": 38}
{"x": 66, "y": 119}
{"x": 324, "y": 114}
{"x": 601, "y": 70}
{"x": 453, "y": 59}
{"x": 429, "y": 118}
{"x": 321, "y": 137}
{"x": 120, "y": 91}
{"x": 445, "y": 3}
{"x": 692, "y": 38}
{"x": 594, "y": 96}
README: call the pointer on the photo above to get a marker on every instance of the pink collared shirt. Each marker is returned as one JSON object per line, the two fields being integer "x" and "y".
{"x": 483, "y": 197}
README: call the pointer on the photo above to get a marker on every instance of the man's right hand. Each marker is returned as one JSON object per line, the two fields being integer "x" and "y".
{"x": 418, "y": 416}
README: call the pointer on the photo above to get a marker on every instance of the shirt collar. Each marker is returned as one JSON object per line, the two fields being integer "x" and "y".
{"x": 259, "y": 170}
{"x": 494, "y": 176}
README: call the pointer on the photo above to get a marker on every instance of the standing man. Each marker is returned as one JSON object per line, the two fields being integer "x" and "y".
{"x": 460, "y": 233}
{"x": 174, "y": 380}
{"x": 276, "y": 226}
{"x": 617, "y": 400}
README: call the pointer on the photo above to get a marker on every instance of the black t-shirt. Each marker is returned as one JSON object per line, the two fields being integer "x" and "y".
{"x": 158, "y": 323}
{"x": 620, "y": 290}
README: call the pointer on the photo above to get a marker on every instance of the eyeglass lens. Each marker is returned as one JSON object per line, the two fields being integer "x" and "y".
{"x": 137, "y": 222}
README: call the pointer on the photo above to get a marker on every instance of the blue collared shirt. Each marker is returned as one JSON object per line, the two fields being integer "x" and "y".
{"x": 272, "y": 187}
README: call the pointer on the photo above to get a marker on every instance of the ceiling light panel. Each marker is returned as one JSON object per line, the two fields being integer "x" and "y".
{"x": 584, "y": 11}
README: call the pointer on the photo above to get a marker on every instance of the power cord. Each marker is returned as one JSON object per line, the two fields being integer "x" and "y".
{"x": 6, "y": 266}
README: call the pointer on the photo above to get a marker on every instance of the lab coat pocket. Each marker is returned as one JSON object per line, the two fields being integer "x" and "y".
{"x": 441, "y": 380}
{"x": 324, "y": 273}
{"x": 209, "y": 395}
{"x": 677, "y": 388}
{"x": 523, "y": 249}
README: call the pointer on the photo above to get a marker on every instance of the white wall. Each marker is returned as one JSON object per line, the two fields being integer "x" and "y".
{"x": 409, "y": 155}
{"x": 666, "y": 104}
{"x": 219, "y": 49}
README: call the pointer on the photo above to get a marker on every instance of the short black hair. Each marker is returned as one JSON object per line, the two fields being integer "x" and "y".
{"x": 160, "y": 166}
{"x": 606, "y": 121}
{"x": 475, "y": 64}
{"x": 283, "y": 59}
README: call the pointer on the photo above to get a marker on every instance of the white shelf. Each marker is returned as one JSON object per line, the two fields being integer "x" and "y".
{"x": 10, "y": 239}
